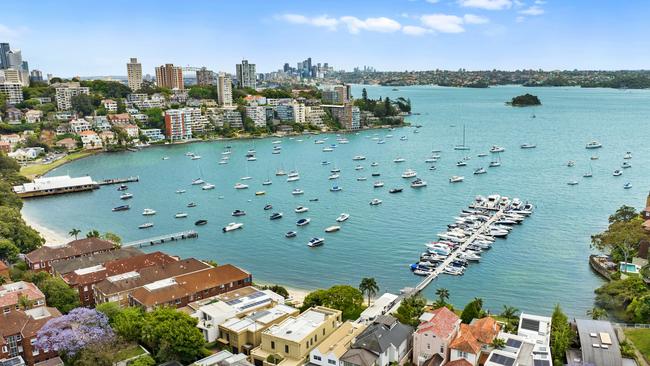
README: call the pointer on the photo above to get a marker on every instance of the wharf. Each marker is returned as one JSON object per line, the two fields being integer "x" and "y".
{"x": 119, "y": 180}
{"x": 190, "y": 234}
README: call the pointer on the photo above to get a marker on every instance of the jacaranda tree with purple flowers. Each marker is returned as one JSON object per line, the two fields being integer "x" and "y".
{"x": 75, "y": 331}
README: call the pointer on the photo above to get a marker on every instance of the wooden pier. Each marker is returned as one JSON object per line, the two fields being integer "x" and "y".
{"x": 119, "y": 180}
{"x": 190, "y": 234}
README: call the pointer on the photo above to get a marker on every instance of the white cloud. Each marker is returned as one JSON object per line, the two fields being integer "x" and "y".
{"x": 520, "y": 19}
{"x": 486, "y": 4}
{"x": 475, "y": 19}
{"x": 443, "y": 23}
{"x": 319, "y": 21}
{"x": 540, "y": 2}
{"x": 381, "y": 24}
{"x": 432, "y": 1}
{"x": 414, "y": 30}
{"x": 533, "y": 10}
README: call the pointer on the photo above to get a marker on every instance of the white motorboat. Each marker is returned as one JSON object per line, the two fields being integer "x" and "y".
{"x": 497, "y": 149}
{"x": 246, "y": 178}
{"x": 222, "y": 162}
{"x": 528, "y": 146}
{"x": 276, "y": 142}
{"x": 293, "y": 179}
{"x": 375, "y": 202}
{"x": 267, "y": 182}
{"x": 148, "y": 212}
{"x": 456, "y": 179}
{"x": 189, "y": 153}
{"x": 297, "y": 191}
{"x": 359, "y": 157}
{"x": 572, "y": 183}
{"x": 251, "y": 158}
{"x": 617, "y": 173}
{"x": 292, "y": 174}
{"x": 146, "y": 225}
{"x": 301, "y": 209}
{"x": 418, "y": 183}
{"x": 593, "y": 145}
{"x": 409, "y": 173}
{"x": 227, "y": 152}
{"x": 378, "y": 184}
{"x": 280, "y": 172}
{"x": 241, "y": 186}
{"x": 627, "y": 185}
{"x": 197, "y": 181}
{"x": 461, "y": 163}
{"x": 494, "y": 164}
{"x": 570, "y": 163}
{"x": 334, "y": 176}
{"x": 480, "y": 171}
{"x": 332, "y": 229}
{"x": 303, "y": 221}
{"x": 336, "y": 189}
{"x": 126, "y": 196}
{"x": 399, "y": 160}
{"x": 232, "y": 226}
{"x": 327, "y": 149}
{"x": 360, "y": 179}
{"x": 626, "y": 164}
{"x": 627, "y": 156}
{"x": 207, "y": 186}
{"x": 315, "y": 242}
{"x": 196, "y": 157}
{"x": 430, "y": 160}
{"x": 342, "y": 217}
{"x": 318, "y": 142}
{"x": 374, "y": 163}
{"x": 180, "y": 215}
{"x": 358, "y": 167}
{"x": 165, "y": 158}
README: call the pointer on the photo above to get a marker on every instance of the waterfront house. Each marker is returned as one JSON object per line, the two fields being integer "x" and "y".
{"x": 431, "y": 340}
{"x": 18, "y": 331}
{"x": 472, "y": 343}
{"x": 100, "y": 123}
{"x": 118, "y": 288}
{"x": 83, "y": 279}
{"x": 289, "y": 343}
{"x": 90, "y": 140}
{"x": 33, "y": 116}
{"x": 329, "y": 352}
{"x": 42, "y": 258}
{"x": 180, "y": 290}
{"x": 383, "y": 342}
{"x": 379, "y": 307}
{"x": 107, "y": 137}
{"x": 63, "y": 267}
{"x": 599, "y": 345}
{"x": 242, "y": 335}
{"x": 132, "y": 131}
{"x": 67, "y": 143}
{"x": 28, "y": 153}
{"x": 154, "y": 134}
{"x": 12, "y": 293}
{"x": 214, "y": 311}
{"x": 79, "y": 125}
{"x": 11, "y": 138}
{"x": 517, "y": 351}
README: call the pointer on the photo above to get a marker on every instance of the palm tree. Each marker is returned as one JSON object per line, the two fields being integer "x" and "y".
{"x": 509, "y": 312}
{"x": 498, "y": 343}
{"x": 93, "y": 234}
{"x": 597, "y": 313}
{"x": 369, "y": 286}
{"x": 443, "y": 296}
{"x": 24, "y": 302}
{"x": 74, "y": 232}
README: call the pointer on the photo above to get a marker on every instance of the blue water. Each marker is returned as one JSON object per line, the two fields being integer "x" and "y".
{"x": 543, "y": 261}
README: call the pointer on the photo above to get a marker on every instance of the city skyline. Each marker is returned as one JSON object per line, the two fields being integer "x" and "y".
{"x": 389, "y": 36}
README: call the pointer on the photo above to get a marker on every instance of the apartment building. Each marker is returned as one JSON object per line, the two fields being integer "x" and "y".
{"x": 43, "y": 258}
{"x": 18, "y": 331}
{"x": 330, "y": 351}
{"x": 170, "y": 76}
{"x": 177, "y": 125}
{"x": 20, "y": 295}
{"x": 13, "y": 92}
{"x": 224, "y": 90}
{"x": 246, "y": 76}
{"x": 65, "y": 92}
{"x": 134, "y": 74}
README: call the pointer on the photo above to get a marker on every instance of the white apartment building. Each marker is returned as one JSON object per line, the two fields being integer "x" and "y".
{"x": 257, "y": 114}
{"x": 79, "y": 125}
{"x": 13, "y": 91}
{"x": 65, "y": 93}
{"x": 110, "y": 105}
{"x": 224, "y": 89}
{"x": 134, "y": 74}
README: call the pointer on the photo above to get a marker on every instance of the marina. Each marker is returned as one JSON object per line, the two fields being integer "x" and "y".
{"x": 381, "y": 240}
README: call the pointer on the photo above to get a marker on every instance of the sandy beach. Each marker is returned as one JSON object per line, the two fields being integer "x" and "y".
{"x": 51, "y": 237}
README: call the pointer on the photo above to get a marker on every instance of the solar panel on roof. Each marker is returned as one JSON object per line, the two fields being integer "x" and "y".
{"x": 530, "y": 324}
{"x": 541, "y": 363}
{"x": 513, "y": 343}
{"x": 502, "y": 360}
{"x": 233, "y": 302}
{"x": 255, "y": 295}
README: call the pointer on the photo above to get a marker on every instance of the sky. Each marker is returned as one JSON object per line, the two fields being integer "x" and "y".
{"x": 74, "y": 37}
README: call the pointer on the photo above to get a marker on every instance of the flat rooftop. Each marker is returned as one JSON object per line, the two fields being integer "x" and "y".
{"x": 58, "y": 182}
{"x": 297, "y": 328}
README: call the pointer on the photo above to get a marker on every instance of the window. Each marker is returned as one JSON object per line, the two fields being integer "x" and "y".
{"x": 315, "y": 337}
{"x": 331, "y": 362}
{"x": 286, "y": 348}
{"x": 272, "y": 345}
{"x": 6, "y": 310}
{"x": 442, "y": 349}
{"x": 323, "y": 331}
{"x": 428, "y": 346}
{"x": 317, "y": 358}
{"x": 462, "y": 354}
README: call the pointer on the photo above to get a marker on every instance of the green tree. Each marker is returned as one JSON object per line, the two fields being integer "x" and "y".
{"x": 369, "y": 286}
{"x": 341, "y": 297}
{"x": 3, "y": 280}
{"x": 172, "y": 335}
{"x": 74, "y": 233}
{"x": 472, "y": 311}
{"x": 624, "y": 213}
{"x": 128, "y": 323}
{"x": 110, "y": 309}
{"x": 8, "y": 251}
{"x": 639, "y": 309}
{"x": 112, "y": 237}
{"x": 561, "y": 335}
{"x": 410, "y": 310}
{"x": 24, "y": 302}
{"x": 597, "y": 313}
{"x": 364, "y": 94}
{"x": 314, "y": 298}
{"x": 621, "y": 238}
{"x": 277, "y": 289}
{"x": 443, "y": 296}
{"x": 59, "y": 295}
{"x": 94, "y": 233}
{"x": 509, "y": 313}
{"x": 145, "y": 360}
{"x": 82, "y": 104}
{"x": 498, "y": 343}
{"x": 14, "y": 229}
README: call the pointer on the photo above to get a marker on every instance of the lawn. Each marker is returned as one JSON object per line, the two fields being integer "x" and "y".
{"x": 129, "y": 352}
{"x": 641, "y": 339}
{"x": 32, "y": 171}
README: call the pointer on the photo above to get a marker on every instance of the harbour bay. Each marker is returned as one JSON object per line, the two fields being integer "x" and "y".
{"x": 541, "y": 263}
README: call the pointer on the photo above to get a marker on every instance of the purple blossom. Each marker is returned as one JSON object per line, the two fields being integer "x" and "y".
{"x": 71, "y": 333}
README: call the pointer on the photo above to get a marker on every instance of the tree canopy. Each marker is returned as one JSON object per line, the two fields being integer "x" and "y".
{"x": 410, "y": 310}
{"x": 623, "y": 235}
{"x": 341, "y": 297}
{"x": 74, "y": 332}
{"x": 472, "y": 310}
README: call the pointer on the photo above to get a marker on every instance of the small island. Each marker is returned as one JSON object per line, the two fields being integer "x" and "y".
{"x": 525, "y": 100}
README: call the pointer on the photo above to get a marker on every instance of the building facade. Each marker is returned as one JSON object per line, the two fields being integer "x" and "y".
{"x": 65, "y": 92}
{"x": 176, "y": 125}
{"x": 13, "y": 92}
{"x": 246, "y": 76}
{"x": 170, "y": 76}
{"x": 134, "y": 74}
{"x": 224, "y": 90}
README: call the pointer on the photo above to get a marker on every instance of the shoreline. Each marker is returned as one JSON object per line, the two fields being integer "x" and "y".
{"x": 51, "y": 237}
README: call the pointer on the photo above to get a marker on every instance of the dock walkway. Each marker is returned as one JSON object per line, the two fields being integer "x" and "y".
{"x": 119, "y": 180}
{"x": 190, "y": 234}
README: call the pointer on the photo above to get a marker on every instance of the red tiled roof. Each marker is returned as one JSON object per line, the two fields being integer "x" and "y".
{"x": 72, "y": 249}
{"x": 18, "y": 322}
{"x": 11, "y": 297}
{"x": 485, "y": 329}
{"x": 459, "y": 362}
{"x": 442, "y": 324}
{"x": 465, "y": 341}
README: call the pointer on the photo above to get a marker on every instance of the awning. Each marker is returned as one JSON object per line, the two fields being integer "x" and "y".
{"x": 222, "y": 341}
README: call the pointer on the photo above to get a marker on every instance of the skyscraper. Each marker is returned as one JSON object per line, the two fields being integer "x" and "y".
{"x": 170, "y": 76}
{"x": 246, "y": 77}
{"x": 224, "y": 90}
{"x": 4, "y": 60}
{"x": 134, "y": 74}
{"x": 36, "y": 75}
{"x": 204, "y": 77}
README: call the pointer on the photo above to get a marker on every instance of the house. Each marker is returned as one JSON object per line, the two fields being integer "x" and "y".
{"x": 90, "y": 140}
{"x": 180, "y": 290}
{"x": 42, "y": 258}
{"x": 100, "y": 123}
{"x": 599, "y": 345}
{"x": 537, "y": 330}
{"x": 5, "y": 147}
{"x": 223, "y": 358}
{"x": 119, "y": 119}
{"x": 110, "y": 105}
{"x": 13, "y": 139}
{"x": 28, "y": 153}
{"x": 14, "y": 115}
{"x": 214, "y": 311}
{"x": 473, "y": 341}
{"x": 383, "y": 342}
{"x": 517, "y": 351}
{"x": 107, "y": 137}
{"x": 79, "y": 125}
{"x": 431, "y": 340}
{"x": 67, "y": 143}
{"x": 12, "y": 293}
{"x": 154, "y": 134}
{"x": 18, "y": 331}
{"x": 132, "y": 131}
{"x": 379, "y": 307}
{"x": 292, "y": 340}
{"x": 63, "y": 267}
{"x": 329, "y": 352}
{"x": 83, "y": 279}
{"x": 118, "y": 288}
{"x": 62, "y": 129}
{"x": 33, "y": 116}
{"x": 244, "y": 334}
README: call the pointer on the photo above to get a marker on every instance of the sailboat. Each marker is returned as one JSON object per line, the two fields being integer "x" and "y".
{"x": 463, "y": 146}
{"x": 588, "y": 174}
{"x": 496, "y": 163}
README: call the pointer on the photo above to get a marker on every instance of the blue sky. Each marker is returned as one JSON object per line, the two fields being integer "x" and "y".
{"x": 97, "y": 38}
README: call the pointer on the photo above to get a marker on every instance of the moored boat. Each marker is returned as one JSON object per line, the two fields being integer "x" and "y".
{"x": 121, "y": 208}
{"x": 332, "y": 229}
{"x": 343, "y": 217}
{"x": 315, "y": 242}
{"x": 232, "y": 226}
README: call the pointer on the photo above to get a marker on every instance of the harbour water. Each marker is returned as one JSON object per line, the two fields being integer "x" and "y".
{"x": 541, "y": 263}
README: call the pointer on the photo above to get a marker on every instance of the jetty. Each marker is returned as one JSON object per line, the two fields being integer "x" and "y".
{"x": 106, "y": 182}
{"x": 190, "y": 234}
